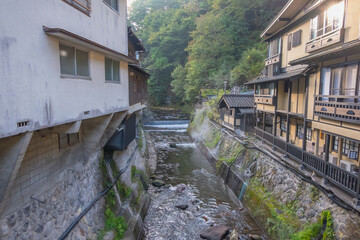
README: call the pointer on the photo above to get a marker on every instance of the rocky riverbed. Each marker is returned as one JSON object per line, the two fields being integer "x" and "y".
{"x": 189, "y": 200}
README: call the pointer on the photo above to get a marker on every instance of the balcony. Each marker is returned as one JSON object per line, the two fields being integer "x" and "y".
{"x": 265, "y": 99}
{"x": 272, "y": 60}
{"x": 338, "y": 107}
{"x": 328, "y": 39}
{"x": 341, "y": 178}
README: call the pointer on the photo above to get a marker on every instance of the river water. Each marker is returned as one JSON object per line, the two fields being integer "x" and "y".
{"x": 210, "y": 201}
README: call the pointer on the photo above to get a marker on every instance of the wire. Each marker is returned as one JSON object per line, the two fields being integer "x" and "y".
{"x": 97, "y": 198}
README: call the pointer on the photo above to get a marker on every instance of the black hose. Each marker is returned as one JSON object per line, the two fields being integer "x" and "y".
{"x": 97, "y": 198}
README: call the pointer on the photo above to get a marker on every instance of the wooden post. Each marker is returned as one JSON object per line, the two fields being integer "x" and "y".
{"x": 287, "y": 115}
{"x": 305, "y": 111}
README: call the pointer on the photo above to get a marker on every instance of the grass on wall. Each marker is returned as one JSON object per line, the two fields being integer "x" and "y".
{"x": 281, "y": 220}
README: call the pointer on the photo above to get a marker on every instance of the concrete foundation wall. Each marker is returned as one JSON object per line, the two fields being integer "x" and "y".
{"x": 58, "y": 206}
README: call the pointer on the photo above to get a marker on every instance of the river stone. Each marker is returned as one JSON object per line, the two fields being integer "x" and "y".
{"x": 215, "y": 233}
{"x": 180, "y": 188}
{"x": 234, "y": 235}
{"x": 255, "y": 237}
{"x": 158, "y": 183}
{"x": 182, "y": 206}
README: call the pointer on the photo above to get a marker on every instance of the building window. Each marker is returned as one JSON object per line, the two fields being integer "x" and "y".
{"x": 296, "y": 38}
{"x": 335, "y": 144}
{"x": 82, "y": 5}
{"x": 327, "y": 21}
{"x": 308, "y": 133}
{"x": 112, "y": 70}
{"x": 114, "y": 4}
{"x": 283, "y": 124}
{"x": 299, "y": 131}
{"x": 350, "y": 149}
{"x": 340, "y": 81}
{"x": 274, "y": 48}
{"x": 74, "y": 62}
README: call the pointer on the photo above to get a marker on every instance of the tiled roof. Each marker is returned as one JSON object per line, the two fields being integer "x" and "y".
{"x": 238, "y": 100}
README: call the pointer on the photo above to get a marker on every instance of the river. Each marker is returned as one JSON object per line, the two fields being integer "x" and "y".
{"x": 209, "y": 201}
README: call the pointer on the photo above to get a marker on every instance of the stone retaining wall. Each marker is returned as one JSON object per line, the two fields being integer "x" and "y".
{"x": 51, "y": 214}
{"x": 283, "y": 199}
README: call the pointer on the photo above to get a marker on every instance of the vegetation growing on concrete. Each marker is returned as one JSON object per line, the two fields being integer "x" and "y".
{"x": 281, "y": 220}
{"x": 230, "y": 151}
{"x": 112, "y": 223}
{"x": 212, "y": 139}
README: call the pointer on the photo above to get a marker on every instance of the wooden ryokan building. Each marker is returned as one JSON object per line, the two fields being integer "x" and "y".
{"x": 307, "y": 98}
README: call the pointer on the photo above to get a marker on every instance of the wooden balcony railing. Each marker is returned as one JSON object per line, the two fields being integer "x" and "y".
{"x": 325, "y": 40}
{"x": 265, "y": 99}
{"x": 338, "y": 107}
{"x": 272, "y": 60}
{"x": 341, "y": 178}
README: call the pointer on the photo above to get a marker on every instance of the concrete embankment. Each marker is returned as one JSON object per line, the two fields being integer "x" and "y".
{"x": 286, "y": 205}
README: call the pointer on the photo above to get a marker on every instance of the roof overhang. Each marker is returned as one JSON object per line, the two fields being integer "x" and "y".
{"x": 288, "y": 12}
{"x": 293, "y": 12}
{"x": 135, "y": 40}
{"x": 81, "y": 41}
{"x": 222, "y": 99}
{"x": 343, "y": 50}
{"x": 291, "y": 74}
{"x": 139, "y": 69}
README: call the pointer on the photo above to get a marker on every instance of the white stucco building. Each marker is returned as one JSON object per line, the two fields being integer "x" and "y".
{"x": 63, "y": 89}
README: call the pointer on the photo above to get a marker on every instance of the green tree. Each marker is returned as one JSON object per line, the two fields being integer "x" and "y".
{"x": 179, "y": 75}
{"x": 250, "y": 65}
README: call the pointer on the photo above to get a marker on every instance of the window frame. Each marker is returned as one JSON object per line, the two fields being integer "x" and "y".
{"x": 335, "y": 144}
{"x": 344, "y": 67}
{"x": 79, "y": 6}
{"x": 299, "y": 127}
{"x": 324, "y": 16}
{"x": 283, "y": 124}
{"x": 112, "y": 71}
{"x": 110, "y": 5}
{"x": 75, "y": 76}
{"x": 308, "y": 133}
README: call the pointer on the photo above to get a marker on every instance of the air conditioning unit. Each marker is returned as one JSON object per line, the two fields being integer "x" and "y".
{"x": 348, "y": 166}
{"x": 333, "y": 160}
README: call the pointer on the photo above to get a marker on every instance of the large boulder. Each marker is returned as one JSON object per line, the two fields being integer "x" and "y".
{"x": 182, "y": 206}
{"x": 215, "y": 233}
{"x": 158, "y": 183}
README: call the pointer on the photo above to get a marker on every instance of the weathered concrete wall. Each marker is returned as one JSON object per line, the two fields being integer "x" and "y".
{"x": 279, "y": 199}
{"x": 59, "y": 207}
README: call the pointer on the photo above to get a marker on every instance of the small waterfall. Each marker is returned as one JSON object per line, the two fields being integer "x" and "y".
{"x": 167, "y": 126}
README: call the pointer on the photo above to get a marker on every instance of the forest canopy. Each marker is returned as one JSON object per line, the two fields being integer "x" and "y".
{"x": 195, "y": 44}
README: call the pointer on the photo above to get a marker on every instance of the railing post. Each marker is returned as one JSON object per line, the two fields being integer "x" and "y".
{"x": 327, "y": 147}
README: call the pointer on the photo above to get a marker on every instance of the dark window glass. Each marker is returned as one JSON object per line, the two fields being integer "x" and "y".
{"x": 112, "y": 70}
{"x": 308, "y": 133}
{"x": 299, "y": 131}
{"x": 116, "y": 71}
{"x": 67, "y": 60}
{"x": 335, "y": 143}
{"x": 108, "y": 69}
{"x": 82, "y": 63}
